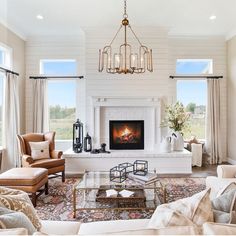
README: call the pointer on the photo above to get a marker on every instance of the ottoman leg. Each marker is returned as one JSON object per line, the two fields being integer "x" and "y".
{"x": 46, "y": 188}
{"x": 34, "y": 198}
{"x": 63, "y": 176}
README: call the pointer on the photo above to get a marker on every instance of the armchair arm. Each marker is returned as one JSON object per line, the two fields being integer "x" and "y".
{"x": 226, "y": 171}
{"x": 27, "y": 160}
{"x": 56, "y": 154}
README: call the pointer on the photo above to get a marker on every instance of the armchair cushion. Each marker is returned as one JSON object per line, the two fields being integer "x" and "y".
{"x": 48, "y": 163}
{"x": 39, "y": 150}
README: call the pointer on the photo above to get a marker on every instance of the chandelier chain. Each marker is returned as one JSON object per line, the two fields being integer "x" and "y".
{"x": 125, "y": 9}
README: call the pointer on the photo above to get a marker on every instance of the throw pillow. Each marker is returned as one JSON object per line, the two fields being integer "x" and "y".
{"x": 226, "y": 188}
{"x": 17, "y": 200}
{"x": 194, "y": 210}
{"x": 224, "y": 205}
{"x": 12, "y": 219}
{"x": 39, "y": 150}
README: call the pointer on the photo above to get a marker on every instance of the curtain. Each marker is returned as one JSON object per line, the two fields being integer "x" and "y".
{"x": 213, "y": 139}
{"x": 40, "y": 103}
{"x": 11, "y": 121}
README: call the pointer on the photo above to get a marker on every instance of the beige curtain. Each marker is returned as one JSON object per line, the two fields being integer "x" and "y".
{"x": 11, "y": 122}
{"x": 213, "y": 139}
{"x": 40, "y": 106}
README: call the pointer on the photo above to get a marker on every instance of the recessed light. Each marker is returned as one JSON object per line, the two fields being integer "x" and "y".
{"x": 39, "y": 17}
{"x": 212, "y": 17}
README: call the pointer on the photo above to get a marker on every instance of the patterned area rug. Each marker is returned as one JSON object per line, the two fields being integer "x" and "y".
{"x": 58, "y": 204}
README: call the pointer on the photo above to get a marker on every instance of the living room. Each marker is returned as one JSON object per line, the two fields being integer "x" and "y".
{"x": 116, "y": 117}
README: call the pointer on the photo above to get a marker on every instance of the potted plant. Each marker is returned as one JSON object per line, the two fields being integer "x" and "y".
{"x": 176, "y": 118}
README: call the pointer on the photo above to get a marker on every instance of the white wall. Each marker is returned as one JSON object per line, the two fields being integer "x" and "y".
{"x": 17, "y": 45}
{"x": 231, "y": 49}
{"x": 56, "y": 47}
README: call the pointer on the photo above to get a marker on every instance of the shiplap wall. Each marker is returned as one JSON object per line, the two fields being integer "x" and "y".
{"x": 165, "y": 52}
{"x": 56, "y": 47}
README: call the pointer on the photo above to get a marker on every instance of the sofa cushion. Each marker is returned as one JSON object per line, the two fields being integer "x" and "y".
{"x": 17, "y": 200}
{"x": 109, "y": 227}
{"x": 60, "y": 227}
{"x": 226, "y": 188}
{"x": 218, "y": 229}
{"x": 12, "y": 219}
{"x": 175, "y": 230}
{"x": 190, "y": 211}
{"x": 16, "y": 231}
{"x": 39, "y": 150}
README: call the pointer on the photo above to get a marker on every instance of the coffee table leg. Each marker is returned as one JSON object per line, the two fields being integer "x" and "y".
{"x": 164, "y": 193}
{"x": 74, "y": 203}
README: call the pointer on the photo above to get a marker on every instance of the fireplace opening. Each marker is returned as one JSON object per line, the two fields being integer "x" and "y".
{"x": 126, "y": 134}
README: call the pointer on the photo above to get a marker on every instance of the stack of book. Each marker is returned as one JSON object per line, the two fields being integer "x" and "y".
{"x": 147, "y": 179}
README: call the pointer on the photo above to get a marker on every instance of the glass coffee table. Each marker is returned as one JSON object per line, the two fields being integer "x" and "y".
{"x": 87, "y": 193}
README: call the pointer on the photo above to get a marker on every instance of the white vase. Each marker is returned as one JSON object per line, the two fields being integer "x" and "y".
{"x": 166, "y": 144}
{"x": 177, "y": 141}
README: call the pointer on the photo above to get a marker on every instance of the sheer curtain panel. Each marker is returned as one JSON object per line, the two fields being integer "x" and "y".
{"x": 213, "y": 141}
{"x": 11, "y": 121}
{"x": 40, "y": 106}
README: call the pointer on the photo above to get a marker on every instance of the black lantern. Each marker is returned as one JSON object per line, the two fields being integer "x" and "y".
{"x": 140, "y": 167}
{"x": 87, "y": 143}
{"x": 78, "y": 136}
{"x": 117, "y": 174}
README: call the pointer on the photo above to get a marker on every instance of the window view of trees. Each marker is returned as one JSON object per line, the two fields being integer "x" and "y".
{"x": 197, "y": 121}
{"x": 62, "y": 107}
{"x": 193, "y": 95}
{"x": 61, "y": 121}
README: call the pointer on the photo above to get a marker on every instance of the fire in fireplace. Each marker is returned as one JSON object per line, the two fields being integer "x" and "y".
{"x": 126, "y": 134}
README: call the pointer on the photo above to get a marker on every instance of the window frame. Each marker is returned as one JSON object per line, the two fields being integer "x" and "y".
{"x": 61, "y": 79}
{"x": 196, "y": 60}
{"x": 41, "y": 72}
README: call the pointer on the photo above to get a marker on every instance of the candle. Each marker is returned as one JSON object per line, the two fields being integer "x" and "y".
{"x": 117, "y": 61}
{"x": 116, "y": 173}
{"x": 133, "y": 60}
{"x": 140, "y": 167}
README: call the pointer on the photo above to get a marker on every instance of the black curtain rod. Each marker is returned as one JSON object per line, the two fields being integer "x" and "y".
{"x": 195, "y": 77}
{"x": 56, "y": 77}
{"x": 9, "y": 71}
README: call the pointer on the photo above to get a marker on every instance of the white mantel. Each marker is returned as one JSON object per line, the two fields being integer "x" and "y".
{"x": 166, "y": 163}
{"x": 126, "y": 108}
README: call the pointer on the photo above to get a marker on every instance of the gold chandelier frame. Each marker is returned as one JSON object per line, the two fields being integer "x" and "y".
{"x": 125, "y": 61}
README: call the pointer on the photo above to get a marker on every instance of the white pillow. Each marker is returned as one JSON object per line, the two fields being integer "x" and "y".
{"x": 39, "y": 150}
{"x": 191, "y": 211}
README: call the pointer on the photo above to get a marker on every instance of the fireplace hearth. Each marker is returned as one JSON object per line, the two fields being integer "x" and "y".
{"x": 126, "y": 134}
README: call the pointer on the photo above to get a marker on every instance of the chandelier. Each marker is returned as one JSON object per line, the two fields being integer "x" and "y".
{"x": 125, "y": 60}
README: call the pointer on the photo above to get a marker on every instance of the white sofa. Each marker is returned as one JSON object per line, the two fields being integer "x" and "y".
{"x": 131, "y": 227}
{"x": 225, "y": 175}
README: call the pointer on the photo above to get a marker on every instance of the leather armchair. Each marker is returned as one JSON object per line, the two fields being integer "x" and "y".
{"x": 54, "y": 164}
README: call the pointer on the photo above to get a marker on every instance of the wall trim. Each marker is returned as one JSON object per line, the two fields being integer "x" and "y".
{"x": 231, "y": 161}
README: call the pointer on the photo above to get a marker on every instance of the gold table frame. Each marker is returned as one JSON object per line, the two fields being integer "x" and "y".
{"x": 80, "y": 186}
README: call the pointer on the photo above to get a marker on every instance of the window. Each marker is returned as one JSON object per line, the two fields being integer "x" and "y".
{"x": 193, "y": 95}
{"x": 194, "y": 66}
{"x": 61, "y": 96}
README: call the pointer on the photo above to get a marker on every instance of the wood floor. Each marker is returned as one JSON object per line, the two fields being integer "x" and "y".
{"x": 209, "y": 170}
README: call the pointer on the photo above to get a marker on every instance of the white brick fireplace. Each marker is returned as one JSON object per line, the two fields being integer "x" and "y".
{"x": 105, "y": 109}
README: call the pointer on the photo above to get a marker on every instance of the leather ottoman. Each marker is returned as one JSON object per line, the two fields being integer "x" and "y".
{"x": 29, "y": 180}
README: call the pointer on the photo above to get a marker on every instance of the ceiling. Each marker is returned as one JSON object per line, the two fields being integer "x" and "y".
{"x": 67, "y": 17}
